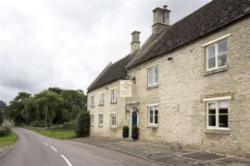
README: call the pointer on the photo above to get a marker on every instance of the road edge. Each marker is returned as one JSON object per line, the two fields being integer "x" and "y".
{"x": 8, "y": 147}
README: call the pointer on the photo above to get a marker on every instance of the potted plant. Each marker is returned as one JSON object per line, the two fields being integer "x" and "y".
{"x": 125, "y": 131}
{"x": 135, "y": 133}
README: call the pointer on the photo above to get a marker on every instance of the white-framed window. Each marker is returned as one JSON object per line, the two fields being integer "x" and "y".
{"x": 217, "y": 114}
{"x": 153, "y": 114}
{"x": 100, "y": 120}
{"x": 92, "y": 120}
{"x": 216, "y": 55}
{"x": 92, "y": 101}
{"x": 113, "y": 120}
{"x": 153, "y": 75}
{"x": 113, "y": 96}
{"x": 101, "y": 99}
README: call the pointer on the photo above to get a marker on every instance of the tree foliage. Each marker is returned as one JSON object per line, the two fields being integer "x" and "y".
{"x": 2, "y": 107}
{"x": 49, "y": 107}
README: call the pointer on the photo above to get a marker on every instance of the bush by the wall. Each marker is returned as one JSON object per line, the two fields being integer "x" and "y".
{"x": 4, "y": 131}
{"x": 135, "y": 133}
{"x": 125, "y": 131}
{"x": 83, "y": 124}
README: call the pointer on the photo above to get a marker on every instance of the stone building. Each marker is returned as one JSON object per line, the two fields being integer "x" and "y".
{"x": 190, "y": 82}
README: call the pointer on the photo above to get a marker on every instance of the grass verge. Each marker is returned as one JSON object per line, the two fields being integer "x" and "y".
{"x": 8, "y": 139}
{"x": 59, "y": 134}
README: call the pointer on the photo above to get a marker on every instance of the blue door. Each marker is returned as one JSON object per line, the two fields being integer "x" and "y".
{"x": 134, "y": 118}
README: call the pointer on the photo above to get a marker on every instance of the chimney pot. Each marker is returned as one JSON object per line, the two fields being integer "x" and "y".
{"x": 160, "y": 19}
{"x": 135, "y": 44}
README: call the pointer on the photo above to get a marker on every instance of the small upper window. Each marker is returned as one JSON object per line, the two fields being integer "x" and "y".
{"x": 153, "y": 75}
{"x": 101, "y": 99}
{"x": 92, "y": 101}
{"x": 113, "y": 96}
{"x": 216, "y": 55}
{"x": 217, "y": 114}
{"x": 153, "y": 112}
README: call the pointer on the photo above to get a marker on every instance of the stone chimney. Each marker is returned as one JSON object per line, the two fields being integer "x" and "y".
{"x": 135, "y": 44}
{"x": 160, "y": 19}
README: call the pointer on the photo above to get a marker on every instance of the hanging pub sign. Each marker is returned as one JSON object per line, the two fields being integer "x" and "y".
{"x": 125, "y": 88}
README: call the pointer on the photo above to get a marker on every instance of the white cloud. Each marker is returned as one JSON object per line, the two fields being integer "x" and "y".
{"x": 66, "y": 43}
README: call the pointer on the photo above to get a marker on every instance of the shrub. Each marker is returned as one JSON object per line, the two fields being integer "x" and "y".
{"x": 135, "y": 133}
{"x": 1, "y": 117}
{"x": 4, "y": 131}
{"x": 83, "y": 124}
{"x": 125, "y": 131}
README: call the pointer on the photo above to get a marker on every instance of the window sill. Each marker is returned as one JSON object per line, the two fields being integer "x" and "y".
{"x": 100, "y": 126}
{"x": 113, "y": 103}
{"x": 218, "y": 131}
{"x": 113, "y": 127}
{"x": 152, "y": 86}
{"x": 92, "y": 106}
{"x": 219, "y": 70}
{"x": 152, "y": 126}
{"x": 101, "y": 105}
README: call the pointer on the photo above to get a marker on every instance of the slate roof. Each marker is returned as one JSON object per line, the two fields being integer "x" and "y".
{"x": 211, "y": 17}
{"x": 208, "y": 19}
{"x": 111, "y": 73}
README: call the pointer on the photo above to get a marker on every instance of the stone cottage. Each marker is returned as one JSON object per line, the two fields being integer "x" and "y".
{"x": 189, "y": 83}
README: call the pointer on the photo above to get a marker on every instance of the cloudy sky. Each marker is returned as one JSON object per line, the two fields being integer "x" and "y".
{"x": 66, "y": 43}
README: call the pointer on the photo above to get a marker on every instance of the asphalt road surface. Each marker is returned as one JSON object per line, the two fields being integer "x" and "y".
{"x": 33, "y": 149}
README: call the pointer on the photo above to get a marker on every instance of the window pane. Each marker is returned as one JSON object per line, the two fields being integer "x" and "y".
{"x": 223, "y": 121}
{"x": 150, "y": 76}
{"x": 156, "y": 75}
{"x": 211, "y": 120}
{"x": 211, "y": 62}
{"x": 211, "y": 106}
{"x": 211, "y": 112}
{"x": 222, "y": 46}
{"x": 222, "y": 60}
{"x": 156, "y": 116}
{"x": 151, "y": 117}
{"x": 223, "y": 104}
{"x": 211, "y": 51}
{"x": 114, "y": 96}
{"x": 100, "y": 119}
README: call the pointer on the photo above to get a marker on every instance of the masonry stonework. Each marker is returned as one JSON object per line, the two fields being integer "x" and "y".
{"x": 119, "y": 109}
{"x": 183, "y": 83}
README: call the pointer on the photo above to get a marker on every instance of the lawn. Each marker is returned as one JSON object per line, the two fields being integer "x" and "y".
{"x": 8, "y": 140}
{"x": 59, "y": 134}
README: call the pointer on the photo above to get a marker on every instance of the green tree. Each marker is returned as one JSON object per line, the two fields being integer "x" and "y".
{"x": 2, "y": 107}
{"x": 16, "y": 109}
{"x": 48, "y": 104}
{"x": 51, "y": 106}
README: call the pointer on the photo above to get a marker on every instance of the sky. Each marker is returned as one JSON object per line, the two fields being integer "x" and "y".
{"x": 67, "y": 43}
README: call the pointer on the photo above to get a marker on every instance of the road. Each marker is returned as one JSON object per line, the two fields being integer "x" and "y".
{"x": 33, "y": 149}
